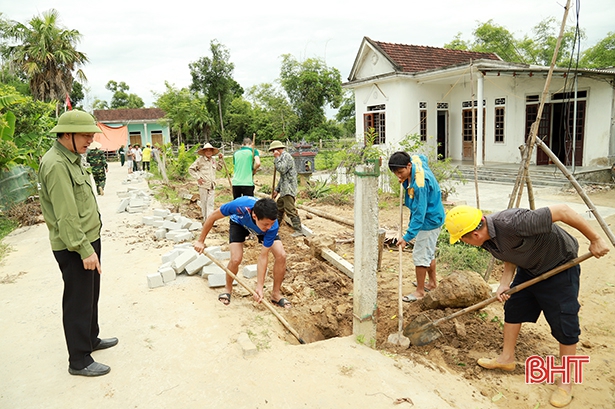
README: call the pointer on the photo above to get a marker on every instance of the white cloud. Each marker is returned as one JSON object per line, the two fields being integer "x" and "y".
{"x": 146, "y": 43}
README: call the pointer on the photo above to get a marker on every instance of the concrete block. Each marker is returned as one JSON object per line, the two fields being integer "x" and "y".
{"x": 140, "y": 209}
{"x": 122, "y": 195}
{"x": 161, "y": 212}
{"x": 165, "y": 265}
{"x": 217, "y": 280}
{"x": 184, "y": 222}
{"x": 161, "y": 234}
{"x": 183, "y": 260}
{"x": 195, "y": 226}
{"x": 172, "y": 233}
{"x": 154, "y": 280}
{"x": 171, "y": 225}
{"x": 223, "y": 255}
{"x": 158, "y": 223}
{"x": 211, "y": 269}
{"x": 196, "y": 265}
{"x": 213, "y": 249}
{"x": 170, "y": 256}
{"x": 123, "y": 205}
{"x": 187, "y": 236}
{"x": 183, "y": 246}
{"x": 147, "y": 220}
{"x": 246, "y": 344}
{"x": 168, "y": 274}
{"x": 249, "y": 271}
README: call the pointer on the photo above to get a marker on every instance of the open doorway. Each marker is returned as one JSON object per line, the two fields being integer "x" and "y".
{"x": 442, "y": 134}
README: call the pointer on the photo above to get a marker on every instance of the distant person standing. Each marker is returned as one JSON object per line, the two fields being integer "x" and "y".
{"x": 204, "y": 171}
{"x": 122, "y": 154}
{"x": 287, "y": 186}
{"x": 98, "y": 163}
{"x": 147, "y": 156}
{"x": 130, "y": 159}
{"x": 72, "y": 217}
{"x": 245, "y": 162}
{"x": 138, "y": 158}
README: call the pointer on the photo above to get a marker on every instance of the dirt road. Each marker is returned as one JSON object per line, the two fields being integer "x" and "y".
{"x": 178, "y": 343}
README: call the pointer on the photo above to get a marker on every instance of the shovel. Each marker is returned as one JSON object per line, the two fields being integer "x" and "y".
{"x": 251, "y": 291}
{"x": 398, "y": 338}
{"x": 422, "y": 331}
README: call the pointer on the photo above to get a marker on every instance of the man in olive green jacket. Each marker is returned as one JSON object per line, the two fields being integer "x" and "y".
{"x": 72, "y": 217}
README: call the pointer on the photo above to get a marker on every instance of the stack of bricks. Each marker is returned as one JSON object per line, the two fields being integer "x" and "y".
{"x": 172, "y": 226}
{"x": 134, "y": 200}
{"x": 183, "y": 259}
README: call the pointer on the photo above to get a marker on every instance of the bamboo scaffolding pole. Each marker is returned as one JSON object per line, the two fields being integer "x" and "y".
{"x": 534, "y": 129}
{"x": 579, "y": 189}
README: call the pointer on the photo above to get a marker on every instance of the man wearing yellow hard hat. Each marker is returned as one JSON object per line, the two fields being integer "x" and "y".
{"x": 530, "y": 243}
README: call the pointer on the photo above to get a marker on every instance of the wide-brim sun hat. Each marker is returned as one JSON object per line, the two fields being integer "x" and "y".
{"x": 276, "y": 145}
{"x": 76, "y": 121}
{"x": 208, "y": 146}
{"x": 95, "y": 145}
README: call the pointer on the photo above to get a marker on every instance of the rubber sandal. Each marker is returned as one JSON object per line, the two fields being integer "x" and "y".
{"x": 283, "y": 303}
{"x": 560, "y": 398}
{"x": 424, "y": 288}
{"x": 225, "y": 298}
{"x": 410, "y": 298}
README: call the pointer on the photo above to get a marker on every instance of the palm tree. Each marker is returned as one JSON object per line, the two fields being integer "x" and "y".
{"x": 46, "y": 55}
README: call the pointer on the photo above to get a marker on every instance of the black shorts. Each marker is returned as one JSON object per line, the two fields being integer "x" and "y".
{"x": 556, "y": 297}
{"x": 239, "y": 191}
{"x": 238, "y": 234}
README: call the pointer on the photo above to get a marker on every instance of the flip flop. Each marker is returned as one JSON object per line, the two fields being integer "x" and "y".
{"x": 283, "y": 303}
{"x": 410, "y": 298}
{"x": 225, "y": 298}
{"x": 424, "y": 288}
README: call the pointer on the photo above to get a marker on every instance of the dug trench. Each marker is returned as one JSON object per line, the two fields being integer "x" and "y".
{"x": 322, "y": 301}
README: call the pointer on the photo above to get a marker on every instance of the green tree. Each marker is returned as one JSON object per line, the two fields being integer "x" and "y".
{"x": 189, "y": 118}
{"x": 539, "y": 48}
{"x": 535, "y": 49}
{"x": 45, "y": 53}
{"x": 602, "y": 55}
{"x": 213, "y": 78}
{"x": 28, "y": 131}
{"x": 346, "y": 114}
{"x": 273, "y": 115}
{"x": 77, "y": 95}
{"x": 121, "y": 98}
{"x": 310, "y": 86}
{"x": 100, "y": 104}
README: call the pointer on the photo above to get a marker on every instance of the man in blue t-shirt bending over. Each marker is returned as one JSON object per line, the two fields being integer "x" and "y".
{"x": 247, "y": 215}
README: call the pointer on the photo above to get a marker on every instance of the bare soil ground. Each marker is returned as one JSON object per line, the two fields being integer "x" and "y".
{"x": 322, "y": 310}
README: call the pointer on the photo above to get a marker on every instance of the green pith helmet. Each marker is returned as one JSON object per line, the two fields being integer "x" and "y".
{"x": 76, "y": 121}
{"x": 276, "y": 145}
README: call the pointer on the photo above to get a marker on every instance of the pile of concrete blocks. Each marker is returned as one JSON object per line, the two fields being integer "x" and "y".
{"x": 134, "y": 200}
{"x": 183, "y": 259}
{"x": 172, "y": 226}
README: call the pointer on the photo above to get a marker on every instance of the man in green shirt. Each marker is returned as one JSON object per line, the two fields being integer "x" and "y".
{"x": 72, "y": 217}
{"x": 245, "y": 162}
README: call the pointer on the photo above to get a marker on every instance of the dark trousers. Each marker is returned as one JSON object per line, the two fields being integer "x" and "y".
{"x": 146, "y": 165}
{"x": 239, "y": 191}
{"x": 79, "y": 306}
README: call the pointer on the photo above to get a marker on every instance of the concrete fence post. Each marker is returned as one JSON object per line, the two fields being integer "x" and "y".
{"x": 365, "y": 287}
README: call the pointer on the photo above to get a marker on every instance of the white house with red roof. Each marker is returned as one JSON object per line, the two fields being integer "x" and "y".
{"x": 406, "y": 89}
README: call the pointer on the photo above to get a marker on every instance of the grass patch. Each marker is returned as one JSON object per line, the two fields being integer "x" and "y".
{"x": 6, "y": 226}
{"x": 461, "y": 256}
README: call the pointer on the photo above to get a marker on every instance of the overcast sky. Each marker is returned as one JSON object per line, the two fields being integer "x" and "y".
{"x": 145, "y": 43}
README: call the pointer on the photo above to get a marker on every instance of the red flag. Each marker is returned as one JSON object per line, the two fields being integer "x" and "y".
{"x": 67, "y": 103}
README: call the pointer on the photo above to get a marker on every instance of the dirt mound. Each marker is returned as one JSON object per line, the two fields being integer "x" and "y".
{"x": 460, "y": 289}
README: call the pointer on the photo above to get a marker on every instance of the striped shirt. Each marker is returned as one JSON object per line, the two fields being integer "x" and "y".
{"x": 529, "y": 239}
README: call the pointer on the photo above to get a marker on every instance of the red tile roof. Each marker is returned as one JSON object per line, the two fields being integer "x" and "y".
{"x": 125, "y": 115}
{"x": 416, "y": 58}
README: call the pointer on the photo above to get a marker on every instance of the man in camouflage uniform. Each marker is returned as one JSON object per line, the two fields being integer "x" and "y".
{"x": 98, "y": 164}
{"x": 287, "y": 186}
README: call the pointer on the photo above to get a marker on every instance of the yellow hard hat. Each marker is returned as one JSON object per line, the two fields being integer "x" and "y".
{"x": 461, "y": 220}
